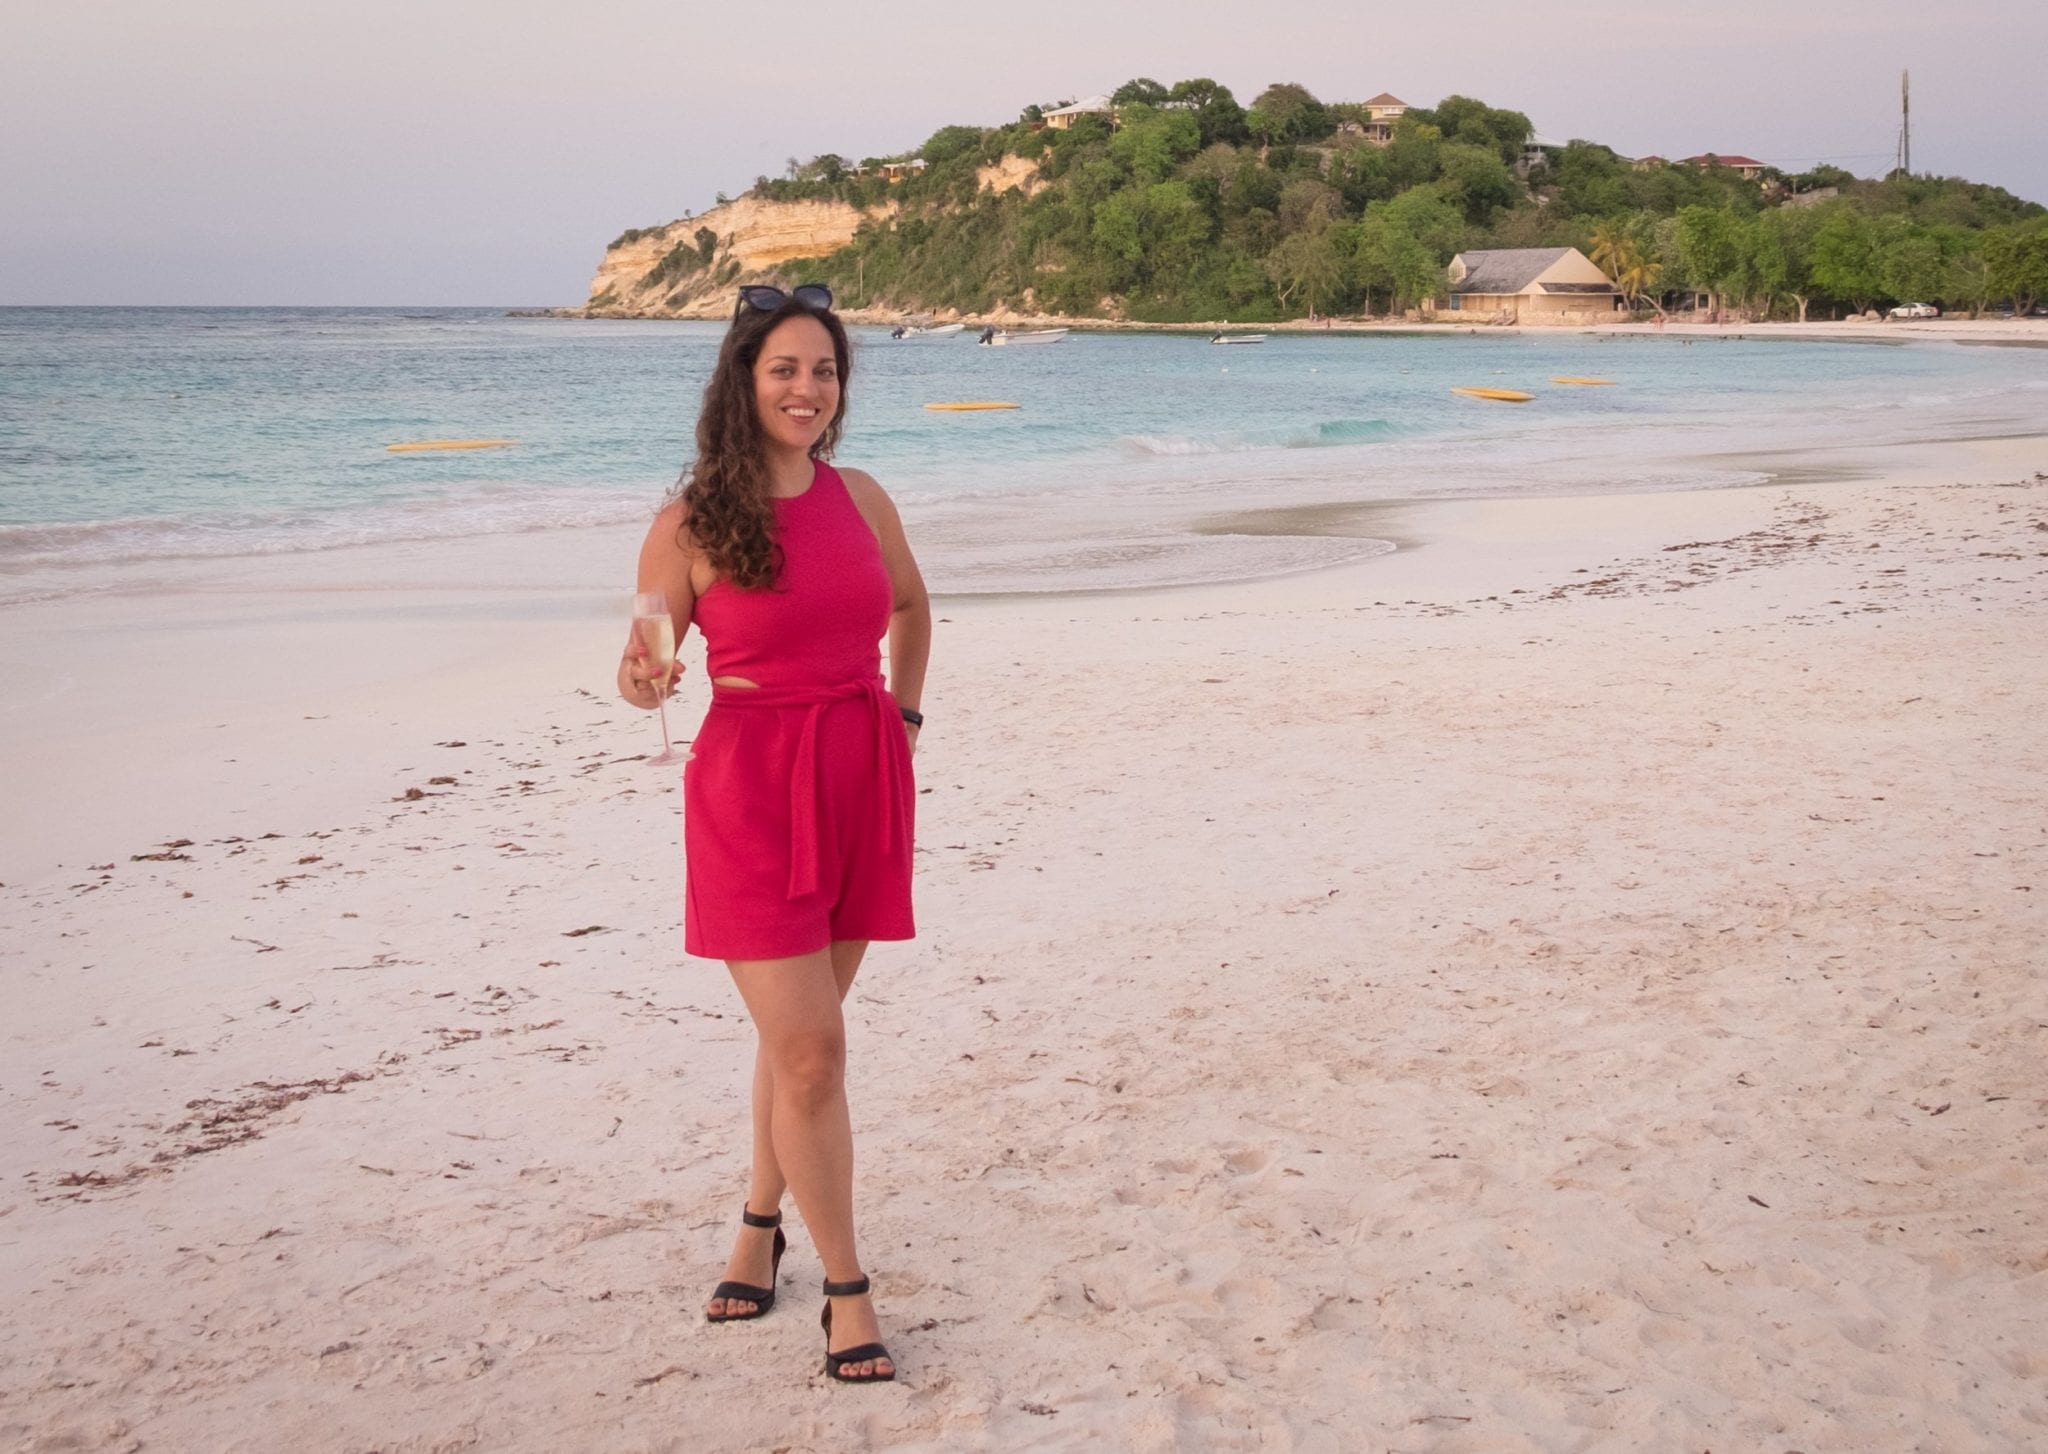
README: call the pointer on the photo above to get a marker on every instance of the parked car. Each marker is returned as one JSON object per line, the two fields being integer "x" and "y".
{"x": 1916, "y": 310}
{"x": 2039, "y": 310}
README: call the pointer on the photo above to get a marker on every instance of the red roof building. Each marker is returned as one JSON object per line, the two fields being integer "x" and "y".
{"x": 1749, "y": 167}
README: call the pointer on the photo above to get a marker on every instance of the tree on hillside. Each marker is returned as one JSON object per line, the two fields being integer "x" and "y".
{"x": 1910, "y": 265}
{"x": 1460, "y": 118}
{"x": 1308, "y": 264}
{"x": 949, "y": 142}
{"x": 1966, "y": 280}
{"x": 1143, "y": 90}
{"x": 1710, "y": 253}
{"x": 2016, "y": 257}
{"x": 1476, "y": 180}
{"x": 1403, "y": 245}
{"x": 1845, "y": 256}
{"x": 1307, "y": 202}
{"x": 1590, "y": 181}
{"x": 1286, "y": 112}
{"x": 1152, "y": 143}
{"x": 1215, "y": 110}
{"x": 1783, "y": 241}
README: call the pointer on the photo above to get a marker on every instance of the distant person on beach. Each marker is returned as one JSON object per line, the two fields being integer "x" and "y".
{"x": 798, "y": 799}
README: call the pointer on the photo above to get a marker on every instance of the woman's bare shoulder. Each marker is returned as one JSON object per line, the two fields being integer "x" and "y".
{"x": 863, "y": 487}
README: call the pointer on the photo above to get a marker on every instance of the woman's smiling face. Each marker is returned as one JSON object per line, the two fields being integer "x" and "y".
{"x": 796, "y": 383}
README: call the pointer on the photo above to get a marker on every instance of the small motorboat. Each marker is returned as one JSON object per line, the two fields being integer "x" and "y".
{"x": 965, "y": 406}
{"x": 417, "y": 446}
{"x": 1237, "y": 338}
{"x": 1043, "y": 335}
{"x": 935, "y": 330}
{"x": 1504, "y": 396}
{"x": 1588, "y": 383}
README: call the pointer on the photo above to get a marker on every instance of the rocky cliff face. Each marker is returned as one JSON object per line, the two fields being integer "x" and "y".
{"x": 688, "y": 268}
{"x": 672, "y": 272}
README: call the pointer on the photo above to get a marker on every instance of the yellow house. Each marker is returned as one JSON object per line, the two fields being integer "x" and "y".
{"x": 1531, "y": 285}
{"x": 1381, "y": 113}
{"x": 1066, "y": 116}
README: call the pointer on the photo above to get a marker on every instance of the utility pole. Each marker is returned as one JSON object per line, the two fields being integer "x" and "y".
{"x": 1906, "y": 122}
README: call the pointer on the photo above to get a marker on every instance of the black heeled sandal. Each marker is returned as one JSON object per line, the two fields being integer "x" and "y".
{"x": 836, "y": 1362}
{"x": 762, "y": 1297}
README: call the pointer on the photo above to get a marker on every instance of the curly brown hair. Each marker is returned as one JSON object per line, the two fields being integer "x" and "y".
{"x": 726, "y": 510}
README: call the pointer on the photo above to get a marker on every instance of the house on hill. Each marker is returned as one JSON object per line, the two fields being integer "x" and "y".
{"x": 1531, "y": 285}
{"x": 1538, "y": 150}
{"x": 897, "y": 171}
{"x": 1066, "y": 116}
{"x": 1750, "y": 168}
{"x": 1380, "y": 115}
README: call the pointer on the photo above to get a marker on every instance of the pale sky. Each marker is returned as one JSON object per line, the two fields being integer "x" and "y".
{"x": 484, "y": 151}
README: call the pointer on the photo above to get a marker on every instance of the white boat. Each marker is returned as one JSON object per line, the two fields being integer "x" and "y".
{"x": 936, "y": 330}
{"x": 1044, "y": 335}
{"x": 1238, "y": 338}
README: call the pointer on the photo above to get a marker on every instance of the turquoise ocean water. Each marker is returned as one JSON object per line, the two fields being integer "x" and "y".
{"x": 137, "y": 434}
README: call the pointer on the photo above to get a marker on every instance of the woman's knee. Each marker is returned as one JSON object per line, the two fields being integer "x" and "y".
{"x": 810, "y": 1067}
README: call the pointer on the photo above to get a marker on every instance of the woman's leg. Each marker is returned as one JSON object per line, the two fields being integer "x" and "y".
{"x": 795, "y": 1005}
{"x": 753, "y": 1251}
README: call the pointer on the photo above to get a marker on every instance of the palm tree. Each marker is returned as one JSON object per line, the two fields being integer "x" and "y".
{"x": 1610, "y": 241}
{"x": 1639, "y": 279}
{"x": 1616, "y": 253}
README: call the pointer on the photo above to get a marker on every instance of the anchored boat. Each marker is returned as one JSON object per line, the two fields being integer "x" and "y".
{"x": 1505, "y": 396}
{"x": 1043, "y": 335}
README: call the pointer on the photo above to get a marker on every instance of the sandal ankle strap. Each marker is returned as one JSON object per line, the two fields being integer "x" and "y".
{"x": 755, "y": 1219}
{"x": 854, "y": 1288}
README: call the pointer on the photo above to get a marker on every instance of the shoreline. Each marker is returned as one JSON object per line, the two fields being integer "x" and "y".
{"x": 2008, "y": 332}
{"x": 1572, "y": 969}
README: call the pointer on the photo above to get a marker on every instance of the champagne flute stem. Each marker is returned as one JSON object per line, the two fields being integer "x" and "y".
{"x": 661, "y": 705}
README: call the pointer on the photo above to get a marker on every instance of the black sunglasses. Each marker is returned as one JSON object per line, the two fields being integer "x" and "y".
{"x": 764, "y": 299}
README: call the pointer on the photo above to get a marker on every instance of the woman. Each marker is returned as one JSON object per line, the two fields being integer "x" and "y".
{"x": 798, "y": 798}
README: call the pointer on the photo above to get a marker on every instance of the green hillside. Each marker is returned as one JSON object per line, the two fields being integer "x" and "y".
{"x": 1194, "y": 207}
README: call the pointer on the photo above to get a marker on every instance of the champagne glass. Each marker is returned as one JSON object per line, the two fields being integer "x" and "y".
{"x": 656, "y": 630}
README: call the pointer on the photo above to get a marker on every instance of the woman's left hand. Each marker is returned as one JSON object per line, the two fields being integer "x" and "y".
{"x": 911, "y": 729}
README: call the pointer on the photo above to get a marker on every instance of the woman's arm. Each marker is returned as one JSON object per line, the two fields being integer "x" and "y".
{"x": 666, "y": 565}
{"x": 910, "y": 617}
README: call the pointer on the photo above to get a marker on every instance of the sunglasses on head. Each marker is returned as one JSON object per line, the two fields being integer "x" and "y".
{"x": 764, "y": 299}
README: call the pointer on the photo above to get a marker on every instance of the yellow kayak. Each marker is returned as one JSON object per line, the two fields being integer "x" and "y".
{"x": 1506, "y": 396}
{"x": 972, "y": 404}
{"x": 420, "y": 444}
{"x": 1588, "y": 382}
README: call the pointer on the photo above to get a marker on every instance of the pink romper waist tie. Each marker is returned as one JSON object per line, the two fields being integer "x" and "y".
{"x": 803, "y": 776}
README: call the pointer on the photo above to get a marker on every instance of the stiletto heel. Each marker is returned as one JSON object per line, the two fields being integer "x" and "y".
{"x": 762, "y": 1297}
{"x": 835, "y": 1363}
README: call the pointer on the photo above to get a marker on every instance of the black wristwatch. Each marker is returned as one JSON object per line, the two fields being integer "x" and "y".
{"x": 911, "y": 715}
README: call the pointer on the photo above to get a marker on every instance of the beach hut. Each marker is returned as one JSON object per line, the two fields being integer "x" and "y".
{"x": 1531, "y": 285}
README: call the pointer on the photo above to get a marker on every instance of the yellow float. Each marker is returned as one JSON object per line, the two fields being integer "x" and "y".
{"x": 1505, "y": 396}
{"x": 970, "y": 404}
{"x": 1589, "y": 383}
{"x": 417, "y": 445}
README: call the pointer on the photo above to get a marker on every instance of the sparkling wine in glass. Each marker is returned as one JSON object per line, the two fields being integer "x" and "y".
{"x": 656, "y": 630}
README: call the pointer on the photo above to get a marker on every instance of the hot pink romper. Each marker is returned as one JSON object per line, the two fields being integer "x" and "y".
{"x": 799, "y": 806}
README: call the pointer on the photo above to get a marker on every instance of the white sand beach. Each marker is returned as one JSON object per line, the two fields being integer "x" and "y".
{"x": 1573, "y": 983}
